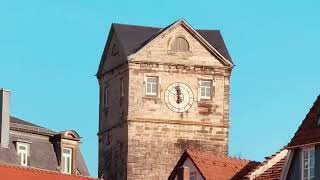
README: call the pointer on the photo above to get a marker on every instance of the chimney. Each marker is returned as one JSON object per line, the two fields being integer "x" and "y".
{"x": 4, "y": 117}
{"x": 183, "y": 173}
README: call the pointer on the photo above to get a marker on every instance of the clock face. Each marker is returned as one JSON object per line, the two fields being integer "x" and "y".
{"x": 178, "y": 97}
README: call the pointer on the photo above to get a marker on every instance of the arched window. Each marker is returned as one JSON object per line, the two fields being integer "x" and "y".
{"x": 180, "y": 44}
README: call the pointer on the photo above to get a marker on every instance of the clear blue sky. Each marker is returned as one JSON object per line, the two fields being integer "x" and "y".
{"x": 50, "y": 51}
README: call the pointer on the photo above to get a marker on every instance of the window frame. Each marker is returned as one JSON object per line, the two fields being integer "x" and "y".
{"x": 205, "y": 97}
{"x": 177, "y": 42}
{"x": 106, "y": 97}
{"x": 308, "y": 150}
{"x": 23, "y": 153}
{"x": 121, "y": 87}
{"x": 152, "y": 94}
{"x": 193, "y": 174}
{"x": 64, "y": 162}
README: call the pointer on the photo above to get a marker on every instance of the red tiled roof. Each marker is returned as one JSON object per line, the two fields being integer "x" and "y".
{"x": 308, "y": 132}
{"x": 8, "y": 171}
{"x": 271, "y": 168}
{"x": 272, "y": 173}
{"x": 214, "y": 167}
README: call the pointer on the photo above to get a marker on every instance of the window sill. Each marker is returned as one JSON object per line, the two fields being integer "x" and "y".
{"x": 151, "y": 97}
{"x": 205, "y": 103}
{"x": 205, "y": 100}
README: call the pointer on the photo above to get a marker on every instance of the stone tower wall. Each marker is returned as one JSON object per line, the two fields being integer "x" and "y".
{"x": 157, "y": 136}
{"x": 113, "y": 129}
{"x": 139, "y": 136}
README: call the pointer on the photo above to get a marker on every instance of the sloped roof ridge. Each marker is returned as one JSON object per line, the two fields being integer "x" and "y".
{"x": 227, "y": 166}
{"x": 161, "y": 28}
{"x": 208, "y": 30}
{"x": 17, "y": 120}
{"x": 134, "y": 37}
{"x": 135, "y": 25}
{"x": 305, "y": 119}
{"x": 271, "y": 167}
{"x": 23, "y": 124}
{"x": 267, "y": 159}
{"x": 220, "y": 155}
{"x": 36, "y": 169}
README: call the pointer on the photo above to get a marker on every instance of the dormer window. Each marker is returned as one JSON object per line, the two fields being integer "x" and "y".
{"x": 23, "y": 153}
{"x": 66, "y": 160}
{"x": 180, "y": 44}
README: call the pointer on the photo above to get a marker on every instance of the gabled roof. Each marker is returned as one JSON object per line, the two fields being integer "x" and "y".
{"x": 271, "y": 168}
{"x": 42, "y": 150}
{"x": 29, "y": 173}
{"x": 308, "y": 132}
{"x": 133, "y": 38}
{"x": 213, "y": 167}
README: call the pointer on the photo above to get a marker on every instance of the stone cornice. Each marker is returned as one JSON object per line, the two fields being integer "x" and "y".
{"x": 163, "y": 121}
{"x": 180, "y": 68}
{"x": 178, "y": 122}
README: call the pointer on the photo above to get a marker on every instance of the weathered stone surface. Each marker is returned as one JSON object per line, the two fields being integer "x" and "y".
{"x": 139, "y": 136}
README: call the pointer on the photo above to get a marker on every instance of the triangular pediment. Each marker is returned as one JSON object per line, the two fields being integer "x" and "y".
{"x": 200, "y": 48}
{"x": 134, "y": 41}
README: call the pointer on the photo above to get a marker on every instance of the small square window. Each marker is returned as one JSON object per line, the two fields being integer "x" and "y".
{"x": 23, "y": 152}
{"x": 206, "y": 89}
{"x": 151, "y": 85}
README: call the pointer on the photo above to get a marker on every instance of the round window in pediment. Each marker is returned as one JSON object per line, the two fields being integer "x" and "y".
{"x": 180, "y": 44}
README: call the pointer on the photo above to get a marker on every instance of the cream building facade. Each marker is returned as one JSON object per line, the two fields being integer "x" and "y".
{"x": 161, "y": 91}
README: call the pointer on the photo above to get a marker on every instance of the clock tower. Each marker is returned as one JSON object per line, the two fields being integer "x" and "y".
{"x": 162, "y": 90}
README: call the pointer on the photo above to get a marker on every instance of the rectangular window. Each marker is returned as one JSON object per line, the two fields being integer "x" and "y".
{"x": 151, "y": 85}
{"x": 193, "y": 176}
{"x": 122, "y": 87}
{"x": 23, "y": 152}
{"x": 106, "y": 98}
{"x": 308, "y": 164}
{"x": 66, "y": 160}
{"x": 205, "y": 89}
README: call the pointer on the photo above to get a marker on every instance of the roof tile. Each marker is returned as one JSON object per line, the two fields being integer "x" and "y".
{"x": 308, "y": 132}
{"x": 217, "y": 167}
{"x": 8, "y": 171}
{"x": 271, "y": 168}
